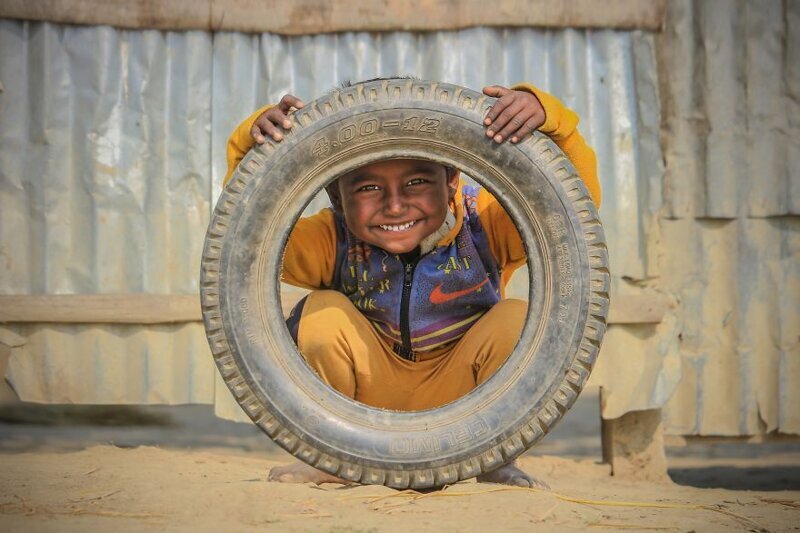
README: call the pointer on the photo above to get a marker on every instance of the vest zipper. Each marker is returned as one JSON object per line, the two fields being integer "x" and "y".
{"x": 405, "y": 302}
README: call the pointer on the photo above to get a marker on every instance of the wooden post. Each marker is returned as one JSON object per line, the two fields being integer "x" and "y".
{"x": 633, "y": 445}
{"x": 8, "y": 341}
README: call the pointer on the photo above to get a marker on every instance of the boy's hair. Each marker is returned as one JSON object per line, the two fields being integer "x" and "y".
{"x": 344, "y": 84}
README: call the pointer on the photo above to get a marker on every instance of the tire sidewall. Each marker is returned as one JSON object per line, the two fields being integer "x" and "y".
{"x": 501, "y": 417}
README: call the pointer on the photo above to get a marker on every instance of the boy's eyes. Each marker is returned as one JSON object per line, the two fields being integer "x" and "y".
{"x": 373, "y": 187}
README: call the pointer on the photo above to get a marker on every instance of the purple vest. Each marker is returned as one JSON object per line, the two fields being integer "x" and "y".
{"x": 447, "y": 290}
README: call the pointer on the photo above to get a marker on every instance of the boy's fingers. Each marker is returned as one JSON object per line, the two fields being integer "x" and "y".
{"x": 497, "y": 108}
{"x": 510, "y": 120}
{"x": 284, "y": 106}
{"x": 268, "y": 128}
{"x": 526, "y": 129}
{"x": 279, "y": 118}
{"x": 289, "y": 101}
{"x": 516, "y": 124}
{"x": 255, "y": 133}
{"x": 495, "y": 90}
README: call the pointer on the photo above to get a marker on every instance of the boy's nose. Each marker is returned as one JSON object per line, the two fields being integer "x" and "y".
{"x": 394, "y": 203}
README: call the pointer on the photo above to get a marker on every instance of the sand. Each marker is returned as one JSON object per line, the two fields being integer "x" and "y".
{"x": 151, "y": 488}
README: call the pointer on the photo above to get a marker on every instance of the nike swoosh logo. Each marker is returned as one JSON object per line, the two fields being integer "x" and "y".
{"x": 439, "y": 297}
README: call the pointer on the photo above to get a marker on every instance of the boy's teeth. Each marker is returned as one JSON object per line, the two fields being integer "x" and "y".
{"x": 401, "y": 227}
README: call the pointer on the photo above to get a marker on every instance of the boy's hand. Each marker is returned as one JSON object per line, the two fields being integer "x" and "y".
{"x": 514, "y": 115}
{"x": 268, "y": 122}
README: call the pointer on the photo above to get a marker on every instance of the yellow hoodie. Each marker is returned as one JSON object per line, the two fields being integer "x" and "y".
{"x": 561, "y": 125}
{"x": 311, "y": 251}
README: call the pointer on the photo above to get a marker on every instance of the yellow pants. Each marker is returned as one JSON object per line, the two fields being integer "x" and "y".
{"x": 353, "y": 358}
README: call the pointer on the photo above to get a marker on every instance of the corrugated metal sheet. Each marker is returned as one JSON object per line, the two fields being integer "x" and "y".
{"x": 122, "y": 136}
{"x": 731, "y": 73}
{"x": 119, "y": 364}
{"x": 120, "y": 167}
{"x": 729, "y": 247}
{"x": 105, "y": 187}
{"x": 738, "y": 284}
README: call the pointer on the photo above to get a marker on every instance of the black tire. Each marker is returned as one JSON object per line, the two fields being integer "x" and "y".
{"x": 568, "y": 300}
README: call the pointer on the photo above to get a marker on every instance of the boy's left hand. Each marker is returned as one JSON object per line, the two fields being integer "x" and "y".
{"x": 514, "y": 115}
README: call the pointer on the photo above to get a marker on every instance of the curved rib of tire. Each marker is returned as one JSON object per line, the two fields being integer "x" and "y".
{"x": 240, "y": 292}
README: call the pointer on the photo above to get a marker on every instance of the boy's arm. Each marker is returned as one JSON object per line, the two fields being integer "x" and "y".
{"x": 310, "y": 254}
{"x": 524, "y": 108}
{"x": 311, "y": 249}
{"x": 501, "y": 232}
{"x": 240, "y": 142}
{"x": 560, "y": 124}
{"x": 266, "y": 121}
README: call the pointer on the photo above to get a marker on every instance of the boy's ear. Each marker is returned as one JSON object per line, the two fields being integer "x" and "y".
{"x": 333, "y": 194}
{"x": 453, "y": 178}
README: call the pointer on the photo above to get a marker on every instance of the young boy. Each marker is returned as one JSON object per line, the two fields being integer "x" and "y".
{"x": 409, "y": 269}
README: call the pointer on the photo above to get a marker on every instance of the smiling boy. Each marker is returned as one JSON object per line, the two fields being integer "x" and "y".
{"x": 408, "y": 270}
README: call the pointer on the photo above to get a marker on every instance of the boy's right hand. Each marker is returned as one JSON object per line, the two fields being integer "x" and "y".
{"x": 269, "y": 122}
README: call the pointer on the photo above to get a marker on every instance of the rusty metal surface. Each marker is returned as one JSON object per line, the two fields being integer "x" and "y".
{"x": 112, "y": 154}
{"x": 728, "y": 241}
{"x": 731, "y": 87}
{"x": 738, "y": 285}
{"x": 124, "y": 135}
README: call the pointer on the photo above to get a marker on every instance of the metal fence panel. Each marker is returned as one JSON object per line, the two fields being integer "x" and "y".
{"x": 728, "y": 242}
{"x": 112, "y": 151}
{"x": 105, "y": 178}
{"x": 731, "y": 84}
{"x": 738, "y": 283}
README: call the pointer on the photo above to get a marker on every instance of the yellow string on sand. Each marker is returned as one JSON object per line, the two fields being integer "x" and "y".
{"x": 407, "y": 492}
{"x": 619, "y": 525}
{"x": 414, "y": 495}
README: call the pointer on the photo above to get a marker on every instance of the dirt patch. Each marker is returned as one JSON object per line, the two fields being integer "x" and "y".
{"x": 105, "y": 487}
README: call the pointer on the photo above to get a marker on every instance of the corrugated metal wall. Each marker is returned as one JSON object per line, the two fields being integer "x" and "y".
{"x": 730, "y": 237}
{"x": 123, "y": 168}
{"x": 608, "y": 77}
{"x": 109, "y": 168}
{"x": 105, "y": 187}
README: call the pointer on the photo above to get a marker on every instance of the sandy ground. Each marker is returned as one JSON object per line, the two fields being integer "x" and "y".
{"x": 146, "y": 488}
{"x": 181, "y": 469}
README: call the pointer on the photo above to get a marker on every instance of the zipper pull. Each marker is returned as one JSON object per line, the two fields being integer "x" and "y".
{"x": 408, "y": 277}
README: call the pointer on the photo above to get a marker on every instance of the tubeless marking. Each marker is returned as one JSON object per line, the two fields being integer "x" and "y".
{"x": 245, "y": 310}
{"x": 558, "y": 229}
{"x": 322, "y": 146}
{"x": 440, "y": 441}
{"x": 564, "y": 270}
{"x": 566, "y": 284}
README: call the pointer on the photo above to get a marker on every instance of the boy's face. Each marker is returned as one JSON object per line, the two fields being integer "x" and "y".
{"x": 395, "y": 204}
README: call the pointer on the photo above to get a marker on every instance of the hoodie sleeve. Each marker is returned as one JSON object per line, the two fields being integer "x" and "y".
{"x": 308, "y": 260}
{"x": 240, "y": 143}
{"x": 561, "y": 125}
{"x": 310, "y": 254}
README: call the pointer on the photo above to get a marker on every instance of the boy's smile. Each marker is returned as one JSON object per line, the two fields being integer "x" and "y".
{"x": 395, "y": 204}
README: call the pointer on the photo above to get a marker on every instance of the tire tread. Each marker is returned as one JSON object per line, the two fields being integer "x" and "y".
{"x": 512, "y": 445}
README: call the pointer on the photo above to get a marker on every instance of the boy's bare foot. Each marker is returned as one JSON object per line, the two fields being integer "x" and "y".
{"x": 510, "y": 474}
{"x": 302, "y": 473}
